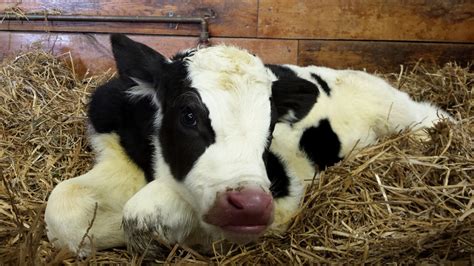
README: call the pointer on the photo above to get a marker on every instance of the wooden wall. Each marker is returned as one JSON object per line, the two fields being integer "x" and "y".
{"x": 372, "y": 34}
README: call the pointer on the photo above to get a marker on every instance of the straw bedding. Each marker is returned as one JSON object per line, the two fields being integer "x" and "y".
{"x": 401, "y": 200}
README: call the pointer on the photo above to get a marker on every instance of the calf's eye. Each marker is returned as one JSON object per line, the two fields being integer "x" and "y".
{"x": 188, "y": 119}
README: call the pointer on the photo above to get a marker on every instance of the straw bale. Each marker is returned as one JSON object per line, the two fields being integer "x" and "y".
{"x": 402, "y": 200}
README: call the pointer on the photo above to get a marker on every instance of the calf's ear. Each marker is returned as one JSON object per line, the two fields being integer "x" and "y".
{"x": 137, "y": 61}
{"x": 293, "y": 98}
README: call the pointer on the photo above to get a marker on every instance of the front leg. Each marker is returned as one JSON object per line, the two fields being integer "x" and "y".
{"x": 157, "y": 215}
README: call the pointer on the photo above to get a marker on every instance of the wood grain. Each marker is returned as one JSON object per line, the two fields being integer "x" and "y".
{"x": 234, "y": 18}
{"x": 92, "y": 51}
{"x": 272, "y": 51}
{"x": 380, "y": 56}
{"x": 434, "y": 20}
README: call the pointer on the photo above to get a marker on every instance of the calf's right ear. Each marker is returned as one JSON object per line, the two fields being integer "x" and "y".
{"x": 137, "y": 61}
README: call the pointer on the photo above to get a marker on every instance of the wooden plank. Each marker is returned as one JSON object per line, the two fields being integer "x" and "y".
{"x": 234, "y": 18}
{"x": 89, "y": 51}
{"x": 380, "y": 56}
{"x": 435, "y": 20}
{"x": 92, "y": 51}
{"x": 272, "y": 51}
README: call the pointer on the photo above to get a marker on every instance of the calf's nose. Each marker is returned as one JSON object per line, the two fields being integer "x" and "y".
{"x": 249, "y": 200}
{"x": 248, "y": 210}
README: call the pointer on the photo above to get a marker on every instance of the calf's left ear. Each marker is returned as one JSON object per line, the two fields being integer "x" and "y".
{"x": 137, "y": 61}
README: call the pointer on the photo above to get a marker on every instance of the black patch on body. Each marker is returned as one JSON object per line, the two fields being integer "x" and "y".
{"x": 112, "y": 110}
{"x": 321, "y": 144}
{"x": 280, "y": 182}
{"x": 292, "y": 93}
{"x": 322, "y": 83}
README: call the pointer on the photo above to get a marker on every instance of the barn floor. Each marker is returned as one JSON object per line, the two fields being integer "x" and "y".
{"x": 400, "y": 201}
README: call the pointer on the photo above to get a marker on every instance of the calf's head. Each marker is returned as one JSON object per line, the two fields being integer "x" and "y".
{"x": 213, "y": 129}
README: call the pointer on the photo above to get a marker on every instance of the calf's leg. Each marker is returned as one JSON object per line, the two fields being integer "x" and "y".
{"x": 156, "y": 215}
{"x": 93, "y": 203}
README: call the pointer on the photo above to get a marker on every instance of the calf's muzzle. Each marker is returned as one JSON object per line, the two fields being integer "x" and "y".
{"x": 247, "y": 210}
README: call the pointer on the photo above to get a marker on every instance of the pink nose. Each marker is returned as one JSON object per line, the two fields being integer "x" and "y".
{"x": 248, "y": 210}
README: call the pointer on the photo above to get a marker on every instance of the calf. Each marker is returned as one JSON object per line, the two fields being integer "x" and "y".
{"x": 185, "y": 146}
{"x": 197, "y": 127}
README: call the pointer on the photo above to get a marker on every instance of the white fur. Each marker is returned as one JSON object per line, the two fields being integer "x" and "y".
{"x": 160, "y": 200}
{"x": 143, "y": 89}
{"x": 161, "y": 211}
{"x": 70, "y": 208}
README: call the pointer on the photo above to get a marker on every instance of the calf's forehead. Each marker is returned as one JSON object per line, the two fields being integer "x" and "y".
{"x": 235, "y": 86}
{"x": 228, "y": 68}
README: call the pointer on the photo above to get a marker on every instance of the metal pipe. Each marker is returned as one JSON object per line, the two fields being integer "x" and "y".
{"x": 203, "y": 37}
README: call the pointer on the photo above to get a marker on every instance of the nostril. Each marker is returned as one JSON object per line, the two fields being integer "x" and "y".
{"x": 235, "y": 201}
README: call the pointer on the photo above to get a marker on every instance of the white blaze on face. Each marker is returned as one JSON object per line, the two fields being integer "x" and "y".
{"x": 236, "y": 88}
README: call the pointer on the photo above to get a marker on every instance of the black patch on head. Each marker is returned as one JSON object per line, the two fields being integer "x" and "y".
{"x": 291, "y": 93}
{"x": 321, "y": 144}
{"x": 181, "y": 143}
{"x": 280, "y": 182}
{"x": 322, "y": 83}
{"x": 111, "y": 110}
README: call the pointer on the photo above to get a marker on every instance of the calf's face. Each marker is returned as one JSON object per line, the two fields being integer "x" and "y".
{"x": 213, "y": 129}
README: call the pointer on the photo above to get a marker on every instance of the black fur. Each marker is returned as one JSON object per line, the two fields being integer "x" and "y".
{"x": 137, "y": 60}
{"x": 322, "y": 83}
{"x": 182, "y": 56}
{"x": 182, "y": 146}
{"x": 112, "y": 110}
{"x": 273, "y": 121}
{"x": 321, "y": 144}
{"x": 275, "y": 170}
{"x": 292, "y": 93}
{"x": 280, "y": 182}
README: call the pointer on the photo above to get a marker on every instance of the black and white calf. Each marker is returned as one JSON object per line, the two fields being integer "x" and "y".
{"x": 185, "y": 149}
{"x": 196, "y": 128}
